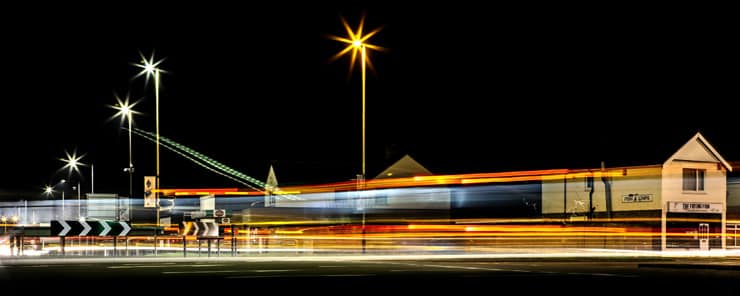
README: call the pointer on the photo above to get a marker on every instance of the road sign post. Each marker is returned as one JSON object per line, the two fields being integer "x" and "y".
{"x": 89, "y": 228}
{"x": 155, "y": 236}
{"x": 115, "y": 229}
{"x": 233, "y": 241}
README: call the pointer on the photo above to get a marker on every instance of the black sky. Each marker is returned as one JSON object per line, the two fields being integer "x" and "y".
{"x": 461, "y": 88}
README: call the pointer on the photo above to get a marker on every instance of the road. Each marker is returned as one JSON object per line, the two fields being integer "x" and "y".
{"x": 336, "y": 274}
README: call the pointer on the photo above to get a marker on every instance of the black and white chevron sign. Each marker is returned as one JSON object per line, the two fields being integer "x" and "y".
{"x": 89, "y": 228}
{"x": 203, "y": 229}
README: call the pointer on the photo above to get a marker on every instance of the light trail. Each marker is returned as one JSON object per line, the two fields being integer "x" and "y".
{"x": 203, "y": 161}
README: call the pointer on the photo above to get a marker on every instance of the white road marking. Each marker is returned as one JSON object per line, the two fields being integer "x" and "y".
{"x": 164, "y": 265}
{"x": 255, "y": 276}
{"x": 138, "y": 266}
{"x": 274, "y": 270}
{"x": 199, "y": 271}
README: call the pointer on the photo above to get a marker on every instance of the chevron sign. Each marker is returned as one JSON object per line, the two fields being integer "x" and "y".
{"x": 203, "y": 229}
{"x": 89, "y": 228}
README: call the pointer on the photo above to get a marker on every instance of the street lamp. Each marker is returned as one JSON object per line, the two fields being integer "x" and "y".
{"x": 149, "y": 67}
{"x": 356, "y": 43}
{"x": 126, "y": 112}
{"x": 72, "y": 163}
{"x": 49, "y": 190}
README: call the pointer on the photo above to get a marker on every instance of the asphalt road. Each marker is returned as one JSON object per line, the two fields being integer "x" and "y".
{"x": 338, "y": 275}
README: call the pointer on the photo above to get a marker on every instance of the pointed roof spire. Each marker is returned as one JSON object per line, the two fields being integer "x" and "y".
{"x": 271, "y": 183}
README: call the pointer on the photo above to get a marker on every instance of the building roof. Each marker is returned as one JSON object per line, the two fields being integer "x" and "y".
{"x": 404, "y": 167}
{"x": 698, "y": 148}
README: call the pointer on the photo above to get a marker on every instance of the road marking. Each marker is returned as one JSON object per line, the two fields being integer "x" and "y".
{"x": 366, "y": 274}
{"x": 260, "y": 276}
{"x": 275, "y": 270}
{"x": 199, "y": 271}
{"x": 164, "y": 265}
{"x": 138, "y": 266}
{"x": 614, "y": 274}
{"x": 521, "y": 270}
{"x": 465, "y": 267}
{"x": 327, "y": 266}
{"x": 601, "y": 274}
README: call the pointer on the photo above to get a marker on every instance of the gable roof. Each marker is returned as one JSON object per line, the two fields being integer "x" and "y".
{"x": 689, "y": 149}
{"x": 404, "y": 167}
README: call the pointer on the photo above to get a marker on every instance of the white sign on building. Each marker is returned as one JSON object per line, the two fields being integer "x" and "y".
{"x": 694, "y": 207}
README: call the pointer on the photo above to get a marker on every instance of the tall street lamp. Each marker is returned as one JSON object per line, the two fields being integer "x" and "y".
{"x": 50, "y": 191}
{"x": 72, "y": 162}
{"x": 356, "y": 43}
{"x": 149, "y": 67}
{"x": 126, "y": 112}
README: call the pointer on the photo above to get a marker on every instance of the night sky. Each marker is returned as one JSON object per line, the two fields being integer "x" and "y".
{"x": 459, "y": 88}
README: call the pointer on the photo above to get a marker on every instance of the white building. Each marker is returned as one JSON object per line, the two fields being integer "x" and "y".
{"x": 685, "y": 197}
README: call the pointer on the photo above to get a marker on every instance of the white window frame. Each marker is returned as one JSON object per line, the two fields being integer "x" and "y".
{"x": 697, "y": 177}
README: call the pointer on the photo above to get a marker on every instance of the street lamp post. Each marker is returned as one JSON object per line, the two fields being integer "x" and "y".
{"x": 62, "y": 182}
{"x": 50, "y": 191}
{"x": 126, "y": 112}
{"x": 149, "y": 67}
{"x": 156, "y": 96}
{"x": 73, "y": 161}
{"x": 79, "y": 201}
{"x": 356, "y": 43}
{"x": 63, "y": 216}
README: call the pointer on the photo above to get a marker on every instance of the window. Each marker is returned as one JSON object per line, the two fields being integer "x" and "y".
{"x": 693, "y": 180}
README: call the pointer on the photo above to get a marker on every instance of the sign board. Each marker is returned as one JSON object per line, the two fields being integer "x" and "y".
{"x": 201, "y": 229}
{"x": 695, "y": 207}
{"x": 150, "y": 198}
{"x": 101, "y": 206}
{"x": 123, "y": 210}
{"x": 89, "y": 228}
{"x": 219, "y": 213}
{"x": 196, "y": 214}
{"x": 166, "y": 221}
{"x": 637, "y": 197}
